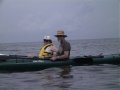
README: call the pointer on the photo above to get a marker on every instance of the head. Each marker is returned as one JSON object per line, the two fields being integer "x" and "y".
{"x": 60, "y": 35}
{"x": 47, "y": 40}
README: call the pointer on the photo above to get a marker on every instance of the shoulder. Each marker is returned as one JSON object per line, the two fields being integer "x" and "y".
{"x": 66, "y": 46}
{"x": 66, "y": 43}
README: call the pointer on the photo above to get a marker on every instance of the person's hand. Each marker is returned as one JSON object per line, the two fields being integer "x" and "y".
{"x": 30, "y": 55}
{"x": 53, "y": 58}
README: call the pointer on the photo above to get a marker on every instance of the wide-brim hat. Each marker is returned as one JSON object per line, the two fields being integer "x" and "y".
{"x": 60, "y": 34}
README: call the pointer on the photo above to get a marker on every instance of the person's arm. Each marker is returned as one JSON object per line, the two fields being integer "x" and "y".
{"x": 54, "y": 50}
{"x": 65, "y": 55}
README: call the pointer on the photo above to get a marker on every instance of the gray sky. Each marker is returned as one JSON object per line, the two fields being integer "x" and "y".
{"x": 30, "y": 20}
{"x": 119, "y": 19}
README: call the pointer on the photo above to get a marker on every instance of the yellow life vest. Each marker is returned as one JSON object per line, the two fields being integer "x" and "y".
{"x": 43, "y": 53}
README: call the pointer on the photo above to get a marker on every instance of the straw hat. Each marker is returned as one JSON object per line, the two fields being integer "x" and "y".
{"x": 60, "y": 33}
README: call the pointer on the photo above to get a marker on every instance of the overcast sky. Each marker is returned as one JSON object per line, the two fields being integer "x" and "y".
{"x": 30, "y": 20}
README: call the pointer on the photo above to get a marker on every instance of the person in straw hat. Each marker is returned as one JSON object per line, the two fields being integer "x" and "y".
{"x": 64, "y": 47}
{"x": 48, "y": 49}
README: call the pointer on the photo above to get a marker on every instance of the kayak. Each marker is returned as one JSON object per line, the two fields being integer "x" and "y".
{"x": 17, "y": 63}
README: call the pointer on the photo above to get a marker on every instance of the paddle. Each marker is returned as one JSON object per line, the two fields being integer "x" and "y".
{"x": 4, "y": 57}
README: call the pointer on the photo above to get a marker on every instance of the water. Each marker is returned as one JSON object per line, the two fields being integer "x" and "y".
{"x": 102, "y": 77}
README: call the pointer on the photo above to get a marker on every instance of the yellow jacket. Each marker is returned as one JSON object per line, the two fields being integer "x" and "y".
{"x": 43, "y": 53}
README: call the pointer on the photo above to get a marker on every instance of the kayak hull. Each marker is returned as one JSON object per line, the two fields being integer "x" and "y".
{"x": 27, "y": 64}
{"x": 33, "y": 65}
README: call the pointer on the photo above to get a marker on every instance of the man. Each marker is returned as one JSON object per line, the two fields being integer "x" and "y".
{"x": 64, "y": 48}
{"x": 48, "y": 50}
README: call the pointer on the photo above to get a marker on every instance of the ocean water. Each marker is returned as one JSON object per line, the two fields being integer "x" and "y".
{"x": 96, "y": 77}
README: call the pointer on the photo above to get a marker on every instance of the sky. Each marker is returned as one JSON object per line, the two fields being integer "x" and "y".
{"x": 31, "y": 20}
{"x": 119, "y": 19}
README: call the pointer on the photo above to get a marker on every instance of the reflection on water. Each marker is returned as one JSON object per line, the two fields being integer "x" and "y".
{"x": 65, "y": 73}
{"x": 56, "y": 78}
{"x": 104, "y": 77}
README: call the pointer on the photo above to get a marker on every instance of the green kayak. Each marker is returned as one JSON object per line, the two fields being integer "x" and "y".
{"x": 16, "y": 63}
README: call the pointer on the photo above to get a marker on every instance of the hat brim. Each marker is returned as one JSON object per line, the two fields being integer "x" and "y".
{"x": 60, "y": 35}
{"x": 47, "y": 39}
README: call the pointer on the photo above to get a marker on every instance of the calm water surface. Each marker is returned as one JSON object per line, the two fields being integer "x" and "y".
{"x": 102, "y": 77}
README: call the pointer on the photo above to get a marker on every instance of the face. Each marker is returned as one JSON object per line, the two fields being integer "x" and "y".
{"x": 60, "y": 38}
{"x": 46, "y": 41}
